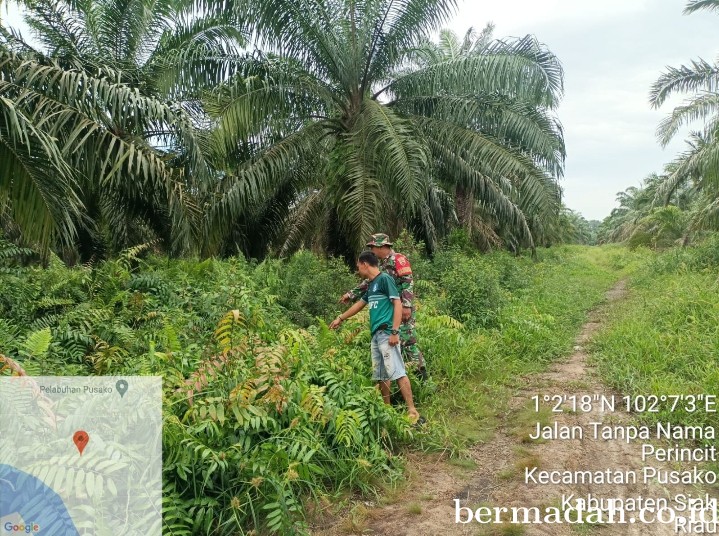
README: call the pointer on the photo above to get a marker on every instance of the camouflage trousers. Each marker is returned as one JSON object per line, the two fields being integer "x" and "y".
{"x": 411, "y": 354}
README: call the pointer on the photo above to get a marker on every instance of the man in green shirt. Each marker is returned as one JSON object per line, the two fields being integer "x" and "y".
{"x": 385, "y": 315}
{"x": 396, "y": 265}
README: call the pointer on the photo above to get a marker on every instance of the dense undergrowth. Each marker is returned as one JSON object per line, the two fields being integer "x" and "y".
{"x": 266, "y": 411}
{"x": 664, "y": 340}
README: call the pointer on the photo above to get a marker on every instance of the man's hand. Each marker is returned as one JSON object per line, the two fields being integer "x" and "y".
{"x": 406, "y": 313}
{"x": 346, "y": 298}
{"x": 393, "y": 340}
{"x": 356, "y": 308}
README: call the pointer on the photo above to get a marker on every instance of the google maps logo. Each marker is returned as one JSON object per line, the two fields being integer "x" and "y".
{"x": 27, "y": 529}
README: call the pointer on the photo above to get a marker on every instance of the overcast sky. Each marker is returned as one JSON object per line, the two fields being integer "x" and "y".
{"x": 612, "y": 51}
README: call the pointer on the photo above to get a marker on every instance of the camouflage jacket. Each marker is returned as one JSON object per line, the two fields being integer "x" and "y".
{"x": 396, "y": 265}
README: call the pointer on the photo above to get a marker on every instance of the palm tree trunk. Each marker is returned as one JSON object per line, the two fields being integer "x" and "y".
{"x": 464, "y": 202}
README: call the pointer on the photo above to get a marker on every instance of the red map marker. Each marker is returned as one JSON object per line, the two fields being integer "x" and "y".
{"x": 80, "y": 439}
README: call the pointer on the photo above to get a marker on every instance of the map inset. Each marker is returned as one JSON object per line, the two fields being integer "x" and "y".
{"x": 81, "y": 456}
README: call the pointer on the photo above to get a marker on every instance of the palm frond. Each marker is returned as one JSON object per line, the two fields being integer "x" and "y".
{"x": 449, "y": 43}
{"x": 303, "y": 221}
{"x": 700, "y": 107}
{"x": 522, "y": 69}
{"x": 486, "y": 154}
{"x": 248, "y": 183}
{"x": 540, "y": 197}
{"x": 270, "y": 95}
{"x": 485, "y": 189}
{"x": 35, "y": 179}
{"x": 699, "y": 76}
{"x": 706, "y": 215}
{"x": 530, "y": 128}
{"x": 390, "y": 148}
{"x": 58, "y": 28}
{"x": 79, "y": 113}
{"x": 406, "y": 24}
{"x": 687, "y": 166}
{"x": 196, "y": 54}
{"x": 362, "y": 208}
{"x": 305, "y": 31}
{"x": 696, "y": 5}
{"x": 436, "y": 212}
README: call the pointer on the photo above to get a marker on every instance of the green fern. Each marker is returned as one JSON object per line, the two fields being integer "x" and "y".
{"x": 37, "y": 343}
{"x": 228, "y": 329}
{"x": 440, "y": 322}
{"x": 130, "y": 255}
{"x": 313, "y": 402}
{"x": 10, "y": 251}
{"x": 49, "y": 302}
{"x": 348, "y": 428}
{"x": 175, "y": 518}
{"x": 46, "y": 321}
{"x": 257, "y": 412}
{"x": 171, "y": 341}
{"x": 9, "y": 334}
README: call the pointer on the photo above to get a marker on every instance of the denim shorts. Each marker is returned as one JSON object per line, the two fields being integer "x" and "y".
{"x": 387, "y": 361}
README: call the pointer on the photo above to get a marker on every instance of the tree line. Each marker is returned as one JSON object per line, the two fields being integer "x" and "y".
{"x": 682, "y": 202}
{"x": 255, "y": 128}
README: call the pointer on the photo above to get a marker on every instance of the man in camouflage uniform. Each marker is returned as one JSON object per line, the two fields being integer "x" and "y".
{"x": 396, "y": 265}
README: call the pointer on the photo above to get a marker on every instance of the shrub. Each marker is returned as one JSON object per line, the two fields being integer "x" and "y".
{"x": 662, "y": 228}
{"x": 307, "y": 286}
{"x": 258, "y": 414}
{"x": 473, "y": 294}
{"x": 703, "y": 255}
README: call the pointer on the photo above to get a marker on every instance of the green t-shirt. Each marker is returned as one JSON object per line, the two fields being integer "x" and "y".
{"x": 379, "y": 295}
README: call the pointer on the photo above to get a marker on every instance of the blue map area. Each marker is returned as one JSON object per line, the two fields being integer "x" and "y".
{"x": 36, "y": 503}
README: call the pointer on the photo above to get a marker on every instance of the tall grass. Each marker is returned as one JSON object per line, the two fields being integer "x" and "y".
{"x": 664, "y": 339}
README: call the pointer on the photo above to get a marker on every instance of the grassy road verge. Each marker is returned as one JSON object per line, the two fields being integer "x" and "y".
{"x": 664, "y": 340}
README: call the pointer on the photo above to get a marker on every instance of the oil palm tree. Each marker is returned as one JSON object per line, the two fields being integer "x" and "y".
{"x": 693, "y": 185}
{"x": 54, "y": 136}
{"x": 155, "y": 59}
{"x": 700, "y": 163}
{"x": 340, "y": 114}
{"x": 635, "y": 204}
{"x": 523, "y": 121}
